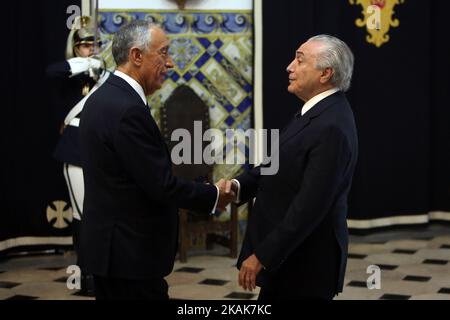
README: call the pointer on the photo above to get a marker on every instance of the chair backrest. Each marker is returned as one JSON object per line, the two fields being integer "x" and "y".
{"x": 180, "y": 111}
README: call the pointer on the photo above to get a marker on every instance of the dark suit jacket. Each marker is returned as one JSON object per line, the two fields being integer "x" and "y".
{"x": 298, "y": 226}
{"x": 130, "y": 221}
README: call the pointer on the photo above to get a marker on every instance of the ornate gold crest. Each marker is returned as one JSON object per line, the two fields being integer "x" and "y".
{"x": 377, "y": 19}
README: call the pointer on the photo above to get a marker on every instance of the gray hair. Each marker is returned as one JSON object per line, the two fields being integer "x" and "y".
{"x": 137, "y": 34}
{"x": 337, "y": 56}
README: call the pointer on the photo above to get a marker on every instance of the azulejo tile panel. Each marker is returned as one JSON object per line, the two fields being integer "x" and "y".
{"x": 213, "y": 54}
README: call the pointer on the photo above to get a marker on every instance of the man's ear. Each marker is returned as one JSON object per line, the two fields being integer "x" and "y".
{"x": 327, "y": 73}
{"x": 136, "y": 56}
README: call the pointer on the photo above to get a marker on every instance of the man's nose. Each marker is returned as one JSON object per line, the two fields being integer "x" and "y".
{"x": 289, "y": 67}
{"x": 169, "y": 63}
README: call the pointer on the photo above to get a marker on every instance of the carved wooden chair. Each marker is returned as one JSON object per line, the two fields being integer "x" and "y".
{"x": 180, "y": 111}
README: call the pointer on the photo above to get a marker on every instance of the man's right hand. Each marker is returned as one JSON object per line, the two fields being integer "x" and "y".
{"x": 226, "y": 193}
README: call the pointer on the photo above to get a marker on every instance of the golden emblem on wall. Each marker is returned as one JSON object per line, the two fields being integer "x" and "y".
{"x": 378, "y": 18}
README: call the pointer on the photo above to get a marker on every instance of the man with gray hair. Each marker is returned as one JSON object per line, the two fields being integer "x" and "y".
{"x": 296, "y": 241}
{"x": 130, "y": 230}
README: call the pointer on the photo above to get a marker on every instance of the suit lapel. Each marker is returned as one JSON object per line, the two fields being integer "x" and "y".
{"x": 294, "y": 128}
{"x": 119, "y": 82}
{"x": 299, "y": 124}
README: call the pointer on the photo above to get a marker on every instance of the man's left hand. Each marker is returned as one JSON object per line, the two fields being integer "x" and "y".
{"x": 249, "y": 270}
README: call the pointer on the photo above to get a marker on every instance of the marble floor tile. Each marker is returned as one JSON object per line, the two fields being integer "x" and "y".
{"x": 409, "y": 287}
{"x": 431, "y": 296}
{"x": 5, "y": 293}
{"x": 406, "y": 244}
{"x": 436, "y": 253}
{"x": 393, "y": 259}
{"x": 46, "y": 290}
{"x": 364, "y": 248}
{"x": 30, "y": 275}
{"x": 353, "y": 293}
{"x": 182, "y": 278}
{"x": 209, "y": 262}
{"x": 229, "y": 274}
{"x": 357, "y": 265}
{"x": 214, "y": 276}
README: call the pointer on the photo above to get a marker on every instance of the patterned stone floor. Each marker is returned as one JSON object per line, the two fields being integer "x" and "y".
{"x": 414, "y": 265}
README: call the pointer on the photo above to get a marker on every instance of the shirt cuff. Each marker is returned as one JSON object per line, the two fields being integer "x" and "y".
{"x": 217, "y": 200}
{"x": 238, "y": 195}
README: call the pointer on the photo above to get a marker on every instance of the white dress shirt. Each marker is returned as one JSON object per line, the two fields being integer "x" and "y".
{"x": 138, "y": 88}
{"x": 316, "y": 99}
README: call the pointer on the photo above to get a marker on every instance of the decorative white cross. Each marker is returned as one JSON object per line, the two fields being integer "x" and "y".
{"x": 59, "y": 214}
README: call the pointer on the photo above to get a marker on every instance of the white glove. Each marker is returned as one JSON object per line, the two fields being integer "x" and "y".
{"x": 95, "y": 63}
{"x": 79, "y": 65}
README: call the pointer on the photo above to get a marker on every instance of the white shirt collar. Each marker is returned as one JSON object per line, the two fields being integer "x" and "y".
{"x": 133, "y": 83}
{"x": 316, "y": 99}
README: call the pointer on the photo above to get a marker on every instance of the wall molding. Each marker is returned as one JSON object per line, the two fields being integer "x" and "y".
{"x": 34, "y": 241}
{"x": 172, "y": 5}
{"x": 398, "y": 220}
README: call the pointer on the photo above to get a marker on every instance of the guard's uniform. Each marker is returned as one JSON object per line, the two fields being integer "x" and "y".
{"x": 72, "y": 81}
{"x": 68, "y": 92}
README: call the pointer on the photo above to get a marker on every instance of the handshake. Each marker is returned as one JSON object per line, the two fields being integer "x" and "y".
{"x": 228, "y": 191}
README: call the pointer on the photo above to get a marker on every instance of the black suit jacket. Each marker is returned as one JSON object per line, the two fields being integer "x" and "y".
{"x": 298, "y": 226}
{"x": 130, "y": 222}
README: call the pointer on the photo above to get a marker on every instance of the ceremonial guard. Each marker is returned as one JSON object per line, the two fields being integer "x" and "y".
{"x": 72, "y": 81}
